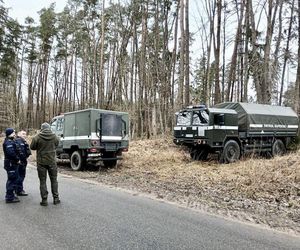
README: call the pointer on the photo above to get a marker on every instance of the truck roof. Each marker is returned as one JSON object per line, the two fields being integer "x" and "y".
{"x": 213, "y": 110}
{"x": 218, "y": 110}
{"x": 93, "y": 109}
{"x": 261, "y": 109}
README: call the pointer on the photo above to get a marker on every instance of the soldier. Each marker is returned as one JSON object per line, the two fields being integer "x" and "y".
{"x": 11, "y": 164}
{"x": 25, "y": 152}
{"x": 45, "y": 144}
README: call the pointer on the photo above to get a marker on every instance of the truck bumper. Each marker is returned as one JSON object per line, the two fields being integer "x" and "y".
{"x": 96, "y": 159}
{"x": 183, "y": 141}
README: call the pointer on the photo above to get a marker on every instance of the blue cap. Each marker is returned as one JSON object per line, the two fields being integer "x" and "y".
{"x": 9, "y": 131}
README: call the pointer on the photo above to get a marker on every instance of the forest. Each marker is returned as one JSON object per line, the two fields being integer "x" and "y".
{"x": 139, "y": 56}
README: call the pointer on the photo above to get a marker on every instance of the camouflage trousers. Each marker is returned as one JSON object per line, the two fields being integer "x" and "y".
{"x": 42, "y": 173}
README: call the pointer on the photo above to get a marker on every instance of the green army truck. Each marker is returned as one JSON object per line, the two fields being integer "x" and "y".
{"x": 233, "y": 129}
{"x": 91, "y": 136}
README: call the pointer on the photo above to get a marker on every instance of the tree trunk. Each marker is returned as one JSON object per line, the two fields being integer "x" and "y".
{"x": 297, "y": 84}
{"x": 233, "y": 64}
{"x": 182, "y": 56}
{"x": 217, "y": 46}
{"x": 187, "y": 56}
{"x": 286, "y": 52}
{"x": 266, "y": 83}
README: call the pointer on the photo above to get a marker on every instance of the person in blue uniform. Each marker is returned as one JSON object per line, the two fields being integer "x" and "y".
{"x": 11, "y": 164}
{"x": 24, "y": 153}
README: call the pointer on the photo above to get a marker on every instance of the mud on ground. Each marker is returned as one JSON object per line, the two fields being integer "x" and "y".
{"x": 263, "y": 191}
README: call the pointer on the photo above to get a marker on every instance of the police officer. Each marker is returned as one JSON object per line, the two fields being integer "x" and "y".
{"x": 24, "y": 152}
{"x": 11, "y": 161}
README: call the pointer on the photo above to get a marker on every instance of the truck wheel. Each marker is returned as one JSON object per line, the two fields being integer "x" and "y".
{"x": 193, "y": 154}
{"x": 76, "y": 161}
{"x": 202, "y": 154}
{"x": 231, "y": 152}
{"x": 278, "y": 148}
{"x": 199, "y": 154}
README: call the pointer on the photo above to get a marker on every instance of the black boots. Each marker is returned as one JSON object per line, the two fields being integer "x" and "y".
{"x": 22, "y": 193}
{"x": 14, "y": 200}
{"x": 44, "y": 202}
{"x": 56, "y": 201}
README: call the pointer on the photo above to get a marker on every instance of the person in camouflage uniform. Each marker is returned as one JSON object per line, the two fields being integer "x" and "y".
{"x": 45, "y": 143}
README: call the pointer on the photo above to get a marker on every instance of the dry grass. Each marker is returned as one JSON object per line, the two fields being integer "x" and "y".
{"x": 278, "y": 178}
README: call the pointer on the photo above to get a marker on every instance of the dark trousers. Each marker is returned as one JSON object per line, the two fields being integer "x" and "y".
{"x": 12, "y": 179}
{"x": 42, "y": 173}
{"x": 22, "y": 174}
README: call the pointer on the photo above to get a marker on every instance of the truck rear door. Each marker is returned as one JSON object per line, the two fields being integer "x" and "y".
{"x": 111, "y": 127}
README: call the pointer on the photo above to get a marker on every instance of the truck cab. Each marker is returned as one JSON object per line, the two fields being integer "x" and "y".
{"x": 205, "y": 130}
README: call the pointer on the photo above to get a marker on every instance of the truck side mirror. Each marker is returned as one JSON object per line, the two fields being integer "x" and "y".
{"x": 219, "y": 119}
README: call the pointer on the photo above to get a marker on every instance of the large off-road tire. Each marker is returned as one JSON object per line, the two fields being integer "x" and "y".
{"x": 77, "y": 161}
{"x": 199, "y": 154}
{"x": 231, "y": 152}
{"x": 278, "y": 148}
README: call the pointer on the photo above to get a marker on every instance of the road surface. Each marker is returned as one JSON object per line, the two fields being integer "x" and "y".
{"x": 93, "y": 216}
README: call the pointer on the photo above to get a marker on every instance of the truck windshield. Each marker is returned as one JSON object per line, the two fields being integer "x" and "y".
{"x": 200, "y": 117}
{"x": 184, "y": 118}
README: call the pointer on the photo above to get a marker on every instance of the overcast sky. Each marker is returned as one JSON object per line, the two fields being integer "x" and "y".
{"x": 20, "y": 9}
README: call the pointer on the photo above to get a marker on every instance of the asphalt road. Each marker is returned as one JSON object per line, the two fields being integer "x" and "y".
{"x": 92, "y": 216}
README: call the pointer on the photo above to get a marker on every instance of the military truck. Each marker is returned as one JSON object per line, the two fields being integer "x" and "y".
{"x": 91, "y": 136}
{"x": 233, "y": 129}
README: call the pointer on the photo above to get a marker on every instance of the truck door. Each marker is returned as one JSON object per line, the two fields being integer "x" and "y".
{"x": 183, "y": 124}
{"x": 83, "y": 124}
{"x": 70, "y": 129}
{"x": 220, "y": 129}
{"x": 57, "y": 126}
{"x": 200, "y": 123}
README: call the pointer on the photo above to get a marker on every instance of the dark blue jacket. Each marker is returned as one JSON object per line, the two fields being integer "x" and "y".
{"x": 10, "y": 150}
{"x": 23, "y": 149}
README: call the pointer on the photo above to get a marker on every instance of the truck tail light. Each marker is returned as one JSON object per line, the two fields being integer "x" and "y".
{"x": 93, "y": 150}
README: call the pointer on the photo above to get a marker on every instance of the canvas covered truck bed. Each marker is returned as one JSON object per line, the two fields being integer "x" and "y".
{"x": 262, "y": 118}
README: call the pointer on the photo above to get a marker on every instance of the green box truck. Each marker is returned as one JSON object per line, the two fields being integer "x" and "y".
{"x": 232, "y": 129}
{"x": 92, "y": 135}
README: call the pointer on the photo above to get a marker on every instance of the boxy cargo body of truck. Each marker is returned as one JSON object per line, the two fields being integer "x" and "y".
{"x": 233, "y": 129}
{"x": 92, "y": 135}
